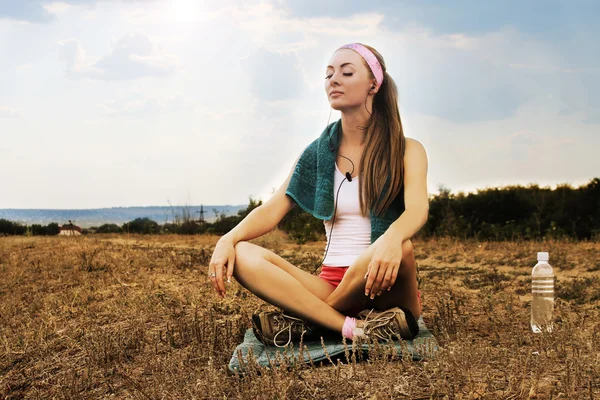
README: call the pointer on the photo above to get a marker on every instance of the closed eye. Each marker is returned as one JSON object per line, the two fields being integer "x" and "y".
{"x": 345, "y": 74}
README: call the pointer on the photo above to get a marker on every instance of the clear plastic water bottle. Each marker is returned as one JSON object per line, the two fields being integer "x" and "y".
{"x": 542, "y": 290}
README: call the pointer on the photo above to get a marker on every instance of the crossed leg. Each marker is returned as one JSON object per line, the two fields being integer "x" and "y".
{"x": 284, "y": 285}
{"x": 350, "y": 293}
{"x": 278, "y": 282}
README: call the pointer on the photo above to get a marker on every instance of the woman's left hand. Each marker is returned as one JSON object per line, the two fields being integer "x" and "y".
{"x": 383, "y": 268}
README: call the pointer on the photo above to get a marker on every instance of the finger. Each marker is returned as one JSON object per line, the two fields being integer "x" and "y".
{"x": 213, "y": 280}
{"x": 220, "y": 285}
{"x": 394, "y": 276}
{"x": 371, "y": 278}
{"x": 368, "y": 270}
{"x": 378, "y": 281}
{"x": 385, "y": 281}
{"x": 230, "y": 263}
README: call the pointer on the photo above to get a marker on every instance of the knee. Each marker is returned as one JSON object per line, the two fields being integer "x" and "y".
{"x": 408, "y": 265}
{"x": 407, "y": 248}
{"x": 243, "y": 253}
{"x": 243, "y": 250}
{"x": 248, "y": 251}
{"x": 241, "y": 246}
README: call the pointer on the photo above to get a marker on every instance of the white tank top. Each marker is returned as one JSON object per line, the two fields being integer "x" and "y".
{"x": 351, "y": 233}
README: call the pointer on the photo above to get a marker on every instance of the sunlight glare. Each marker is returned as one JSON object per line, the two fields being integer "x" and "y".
{"x": 183, "y": 10}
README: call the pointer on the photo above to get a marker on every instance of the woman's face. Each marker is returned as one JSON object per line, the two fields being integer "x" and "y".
{"x": 347, "y": 81}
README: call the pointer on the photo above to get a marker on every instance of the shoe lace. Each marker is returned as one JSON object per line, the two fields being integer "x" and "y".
{"x": 380, "y": 326}
{"x": 288, "y": 324}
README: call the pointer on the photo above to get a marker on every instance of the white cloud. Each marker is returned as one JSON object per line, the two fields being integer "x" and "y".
{"x": 273, "y": 28}
{"x": 24, "y": 67}
{"x": 57, "y": 7}
{"x": 133, "y": 56}
{"x": 174, "y": 12}
{"x": 249, "y": 97}
{"x": 282, "y": 81}
{"x": 7, "y": 112}
{"x": 459, "y": 76}
{"x": 535, "y": 145}
{"x": 72, "y": 54}
{"x": 145, "y": 106}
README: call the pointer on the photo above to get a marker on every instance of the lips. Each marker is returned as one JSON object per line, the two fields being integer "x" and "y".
{"x": 335, "y": 92}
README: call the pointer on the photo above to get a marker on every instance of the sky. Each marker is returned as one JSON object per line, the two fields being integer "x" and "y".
{"x": 189, "y": 102}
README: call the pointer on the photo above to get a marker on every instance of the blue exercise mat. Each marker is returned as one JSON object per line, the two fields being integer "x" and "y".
{"x": 252, "y": 350}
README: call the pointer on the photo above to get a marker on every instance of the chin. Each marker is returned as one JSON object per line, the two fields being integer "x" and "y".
{"x": 340, "y": 106}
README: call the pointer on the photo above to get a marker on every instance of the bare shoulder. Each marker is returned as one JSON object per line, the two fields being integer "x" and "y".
{"x": 414, "y": 149}
{"x": 414, "y": 144}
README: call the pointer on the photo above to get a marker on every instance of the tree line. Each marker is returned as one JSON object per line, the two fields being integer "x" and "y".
{"x": 509, "y": 213}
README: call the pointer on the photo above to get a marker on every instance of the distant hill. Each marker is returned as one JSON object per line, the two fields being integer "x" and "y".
{"x": 86, "y": 218}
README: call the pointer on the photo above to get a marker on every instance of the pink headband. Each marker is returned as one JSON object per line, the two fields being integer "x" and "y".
{"x": 369, "y": 58}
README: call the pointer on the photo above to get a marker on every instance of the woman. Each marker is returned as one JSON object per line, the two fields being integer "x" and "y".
{"x": 382, "y": 205}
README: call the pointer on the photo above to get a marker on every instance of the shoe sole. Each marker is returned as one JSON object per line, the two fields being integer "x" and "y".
{"x": 256, "y": 328}
{"x": 258, "y": 332}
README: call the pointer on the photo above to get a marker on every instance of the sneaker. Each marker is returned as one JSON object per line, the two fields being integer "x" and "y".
{"x": 277, "y": 328}
{"x": 387, "y": 324}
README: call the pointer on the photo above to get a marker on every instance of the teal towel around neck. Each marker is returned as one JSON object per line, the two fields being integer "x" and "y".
{"x": 311, "y": 185}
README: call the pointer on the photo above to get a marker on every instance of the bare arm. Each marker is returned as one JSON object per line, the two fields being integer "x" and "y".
{"x": 383, "y": 269}
{"x": 265, "y": 217}
{"x": 258, "y": 222}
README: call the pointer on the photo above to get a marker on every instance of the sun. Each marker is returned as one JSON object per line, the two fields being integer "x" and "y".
{"x": 182, "y": 10}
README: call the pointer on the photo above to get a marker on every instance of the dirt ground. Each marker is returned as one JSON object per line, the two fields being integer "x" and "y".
{"x": 132, "y": 316}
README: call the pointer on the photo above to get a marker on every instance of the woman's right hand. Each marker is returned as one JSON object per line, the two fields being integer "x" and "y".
{"x": 223, "y": 258}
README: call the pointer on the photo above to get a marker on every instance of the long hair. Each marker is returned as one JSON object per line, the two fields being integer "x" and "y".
{"x": 383, "y": 155}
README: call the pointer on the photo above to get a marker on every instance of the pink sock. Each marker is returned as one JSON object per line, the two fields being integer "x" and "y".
{"x": 348, "y": 328}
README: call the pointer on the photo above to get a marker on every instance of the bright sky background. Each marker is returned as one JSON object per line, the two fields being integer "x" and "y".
{"x": 134, "y": 103}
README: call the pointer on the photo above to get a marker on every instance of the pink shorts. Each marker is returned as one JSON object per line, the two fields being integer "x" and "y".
{"x": 334, "y": 276}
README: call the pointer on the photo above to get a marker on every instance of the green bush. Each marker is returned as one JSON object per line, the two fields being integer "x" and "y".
{"x": 141, "y": 225}
{"x": 12, "y": 228}
{"x": 109, "y": 228}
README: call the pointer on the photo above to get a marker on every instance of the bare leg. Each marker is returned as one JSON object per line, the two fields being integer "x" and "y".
{"x": 285, "y": 285}
{"x": 351, "y": 291}
{"x": 404, "y": 291}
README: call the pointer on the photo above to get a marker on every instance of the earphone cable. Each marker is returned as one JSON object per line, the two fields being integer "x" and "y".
{"x": 364, "y": 128}
{"x": 333, "y": 220}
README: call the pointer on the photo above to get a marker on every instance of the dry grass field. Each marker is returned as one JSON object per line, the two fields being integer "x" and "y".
{"x": 135, "y": 317}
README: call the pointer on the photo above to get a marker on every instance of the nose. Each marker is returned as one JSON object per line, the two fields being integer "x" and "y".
{"x": 334, "y": 80}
